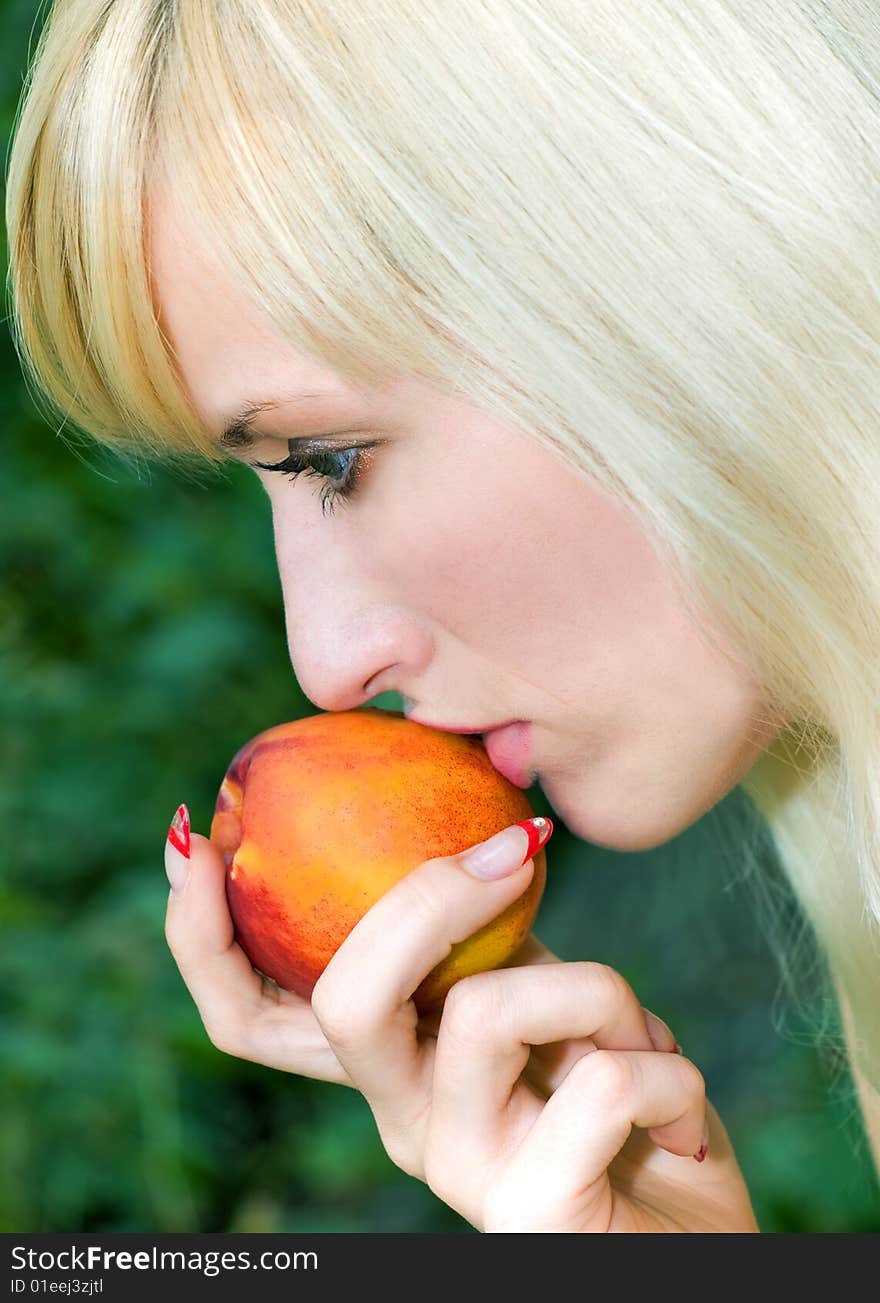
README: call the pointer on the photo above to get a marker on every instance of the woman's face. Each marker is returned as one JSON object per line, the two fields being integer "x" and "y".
{"x": 471, "y": 571}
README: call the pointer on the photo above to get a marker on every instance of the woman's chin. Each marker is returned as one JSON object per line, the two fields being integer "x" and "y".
{"x": 612, "y": 824}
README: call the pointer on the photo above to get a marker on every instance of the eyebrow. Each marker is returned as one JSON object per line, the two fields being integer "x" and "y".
{"x": 238, "y": 434}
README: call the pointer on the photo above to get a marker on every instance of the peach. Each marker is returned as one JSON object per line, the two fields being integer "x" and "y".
{"x": 318, "y": 817}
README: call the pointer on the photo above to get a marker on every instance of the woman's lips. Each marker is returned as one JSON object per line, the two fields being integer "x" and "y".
{"x": 508, "y": 748}
{"x": 507, "y": 745}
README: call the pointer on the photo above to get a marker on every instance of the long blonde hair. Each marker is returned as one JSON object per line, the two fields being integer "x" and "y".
{"x": 643, "y": 232}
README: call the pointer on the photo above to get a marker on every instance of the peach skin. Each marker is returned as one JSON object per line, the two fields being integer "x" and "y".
{"x": 318, "y": 817}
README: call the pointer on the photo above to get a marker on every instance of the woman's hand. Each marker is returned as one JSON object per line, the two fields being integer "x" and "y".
{"x": 537, "y": 1099}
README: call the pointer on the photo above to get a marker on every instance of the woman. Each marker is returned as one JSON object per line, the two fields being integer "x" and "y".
{"x": 571, "y": 315}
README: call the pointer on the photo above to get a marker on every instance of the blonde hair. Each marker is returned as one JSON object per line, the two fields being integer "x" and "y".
{"x": 645, "y": 233}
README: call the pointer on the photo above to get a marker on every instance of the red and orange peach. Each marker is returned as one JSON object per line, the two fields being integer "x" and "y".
{"x": 318, "y": 817}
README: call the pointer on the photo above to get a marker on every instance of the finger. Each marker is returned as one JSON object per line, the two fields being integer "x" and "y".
{"x": 532, "y": 951}
{"x": 586, "y": 1122}
{"x": 362, "y": 999}
{"x": 490, "y": 1022}
{"x": 244, "y": 1014}
{"x": 547, "y": 1064}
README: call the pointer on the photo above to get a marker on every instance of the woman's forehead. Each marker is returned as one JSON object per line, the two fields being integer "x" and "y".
{"x": 220, "y": 340}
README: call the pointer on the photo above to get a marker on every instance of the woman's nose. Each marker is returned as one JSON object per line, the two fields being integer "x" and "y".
{"x": 342, "y": 657}
{"x": 347, "y": 644}
{"x": 351, "y": 633}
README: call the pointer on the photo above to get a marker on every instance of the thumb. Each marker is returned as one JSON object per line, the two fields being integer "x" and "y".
{"x": 198, "y": 913}
{"x": 198, "y": 925}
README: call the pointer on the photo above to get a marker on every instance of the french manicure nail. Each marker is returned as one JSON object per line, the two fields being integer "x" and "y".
{"x": 504, "y": 853}
{"x": 178, "y": 833}
{"x": 704, "y": 1147}
{"x": 177, "y": 870}
{"x": 538, "y": 830}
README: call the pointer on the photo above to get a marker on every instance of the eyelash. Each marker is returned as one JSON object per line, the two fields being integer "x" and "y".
{"x": 297, "y": 463}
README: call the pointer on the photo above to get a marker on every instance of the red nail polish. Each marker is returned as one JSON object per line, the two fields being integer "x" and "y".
{"x": 178, "y": 833}
{"x": 701, "y": 1153}
{"x": 539, "y": 829}
{"x": 676, "y": 1049}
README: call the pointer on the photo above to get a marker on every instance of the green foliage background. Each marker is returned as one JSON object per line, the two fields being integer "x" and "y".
{"x": 141, "y": 642}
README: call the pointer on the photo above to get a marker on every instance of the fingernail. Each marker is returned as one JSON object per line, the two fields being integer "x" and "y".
{"x": 659, "y": 1032}
{"x": 177, "y": 865}
{"x": 676, "y": 1049}
{"x": 704, "y": 1147}
{"x": 505, "y": 852}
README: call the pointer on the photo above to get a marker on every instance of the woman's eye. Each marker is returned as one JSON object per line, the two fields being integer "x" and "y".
{"x": 339, "y": 469}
